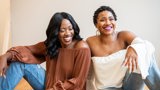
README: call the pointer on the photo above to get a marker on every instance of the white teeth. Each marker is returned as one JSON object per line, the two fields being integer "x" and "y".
{"x": 67, "y": 39}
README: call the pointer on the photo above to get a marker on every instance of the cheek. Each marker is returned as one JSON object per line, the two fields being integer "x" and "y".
{"x": 98, "y": 26}
{"x": 72, "y": 32}
{"x": 114, "y": 25}
{"x": 60, "y": 36}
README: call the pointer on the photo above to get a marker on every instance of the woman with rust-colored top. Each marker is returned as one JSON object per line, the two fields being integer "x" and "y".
{"x": 67, "y": 58}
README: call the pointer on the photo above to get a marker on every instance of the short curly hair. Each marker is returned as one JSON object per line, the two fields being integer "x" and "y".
{"x": 100, "y": 9}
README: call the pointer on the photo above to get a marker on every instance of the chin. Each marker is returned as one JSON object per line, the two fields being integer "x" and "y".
{"x": 67, "y": 44}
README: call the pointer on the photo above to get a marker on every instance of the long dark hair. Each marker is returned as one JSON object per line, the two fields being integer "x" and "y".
{"x": 52, "y": 42}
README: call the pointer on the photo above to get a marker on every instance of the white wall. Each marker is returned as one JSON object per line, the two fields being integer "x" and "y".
{"x": 29, "y": 18}
{"x": 4, "y": 25}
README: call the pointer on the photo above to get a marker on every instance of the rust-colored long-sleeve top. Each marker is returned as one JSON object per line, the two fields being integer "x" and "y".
{"x": 70, "y": 67}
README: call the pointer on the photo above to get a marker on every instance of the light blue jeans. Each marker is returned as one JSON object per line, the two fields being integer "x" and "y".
{"x": 131, "y": 81}
{"x": 33, "y": 73}
{"x": 134, "y": 81}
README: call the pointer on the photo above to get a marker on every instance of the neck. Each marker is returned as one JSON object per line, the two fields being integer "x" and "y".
{"x": 71, "y": 45}
{"x": 107, "y": 39}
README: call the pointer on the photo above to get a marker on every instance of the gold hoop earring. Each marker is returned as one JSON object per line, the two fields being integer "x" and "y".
{"x": 97, "y": 33}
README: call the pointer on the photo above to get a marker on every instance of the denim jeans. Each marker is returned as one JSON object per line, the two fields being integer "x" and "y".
{"x": 33, "y": 73}
{"x": 131, "y": 81}
{"x": 134, "y": 81}
{"x": 153, "y": 80}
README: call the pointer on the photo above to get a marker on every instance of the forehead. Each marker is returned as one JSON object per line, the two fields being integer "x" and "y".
{"x": 105, "y": 13}
{"x": 65, "y": 23}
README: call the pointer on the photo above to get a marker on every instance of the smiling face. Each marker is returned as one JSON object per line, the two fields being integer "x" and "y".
{"x": 66, "y": 33}
{"x": 106, "y": 23}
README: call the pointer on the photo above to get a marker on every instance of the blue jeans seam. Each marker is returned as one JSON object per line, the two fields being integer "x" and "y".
{"x": 35, "y": 78}
{"x": 149, "y": 84}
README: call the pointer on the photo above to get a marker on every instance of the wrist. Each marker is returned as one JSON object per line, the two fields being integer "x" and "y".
{"x": 8, "y": 56}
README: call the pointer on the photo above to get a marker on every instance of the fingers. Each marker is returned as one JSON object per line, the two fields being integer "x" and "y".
{"x": 2, "y": 73}
{"x": 136, "y": 62}
{"x": 125, "y": 62}
{"x": 131, "y": 63}
{"x": 59, "y": 85}
{"x": 1, "y": 70}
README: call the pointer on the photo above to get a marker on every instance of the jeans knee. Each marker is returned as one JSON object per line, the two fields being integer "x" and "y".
{"x": 13, "y": 64}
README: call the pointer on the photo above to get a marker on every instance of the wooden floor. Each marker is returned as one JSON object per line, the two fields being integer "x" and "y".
{"x": 23, "y": 85}
{"x": 146, "y": 88}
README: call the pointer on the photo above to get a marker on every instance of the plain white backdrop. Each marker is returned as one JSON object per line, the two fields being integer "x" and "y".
{"x": 30, "y": 18}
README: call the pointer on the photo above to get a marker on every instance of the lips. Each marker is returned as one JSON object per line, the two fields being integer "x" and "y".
{"x": 67, "y": 39}
{"x": 108, "y": 28}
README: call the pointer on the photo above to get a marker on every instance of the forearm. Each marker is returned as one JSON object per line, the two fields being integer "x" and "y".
{"x": 3, "y": 62}
{"x": 23, "y": 54}
{"x": 7, "y": 56}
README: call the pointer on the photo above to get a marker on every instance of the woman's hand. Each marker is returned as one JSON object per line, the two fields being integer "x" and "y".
{"x": 59, "y": 86}
{"x": 3, "y": 63}
{"x": 131, "y": 59}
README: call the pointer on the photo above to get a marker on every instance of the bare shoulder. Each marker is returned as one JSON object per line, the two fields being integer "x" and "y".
{"x": 126, "y": 33}
{"x": 127, "y": 36}
{"x": 90, "y": 39}
{"x": 81, "y": 44}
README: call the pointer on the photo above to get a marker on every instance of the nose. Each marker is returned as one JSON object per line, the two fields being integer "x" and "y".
{"x": 67, "y": 32}
{"x": 107, "y": 22}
